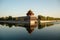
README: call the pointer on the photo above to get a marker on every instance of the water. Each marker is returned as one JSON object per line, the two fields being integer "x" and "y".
{"x": 44, "y": 31}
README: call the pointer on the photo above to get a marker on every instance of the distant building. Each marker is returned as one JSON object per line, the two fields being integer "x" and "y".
{"x": 30, "y": 18}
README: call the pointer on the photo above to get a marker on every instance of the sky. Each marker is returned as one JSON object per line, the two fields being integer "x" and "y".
{"x": 21, "y": 7}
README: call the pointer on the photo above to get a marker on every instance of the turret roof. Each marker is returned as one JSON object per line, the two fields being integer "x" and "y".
{"x": 30, "y": 13}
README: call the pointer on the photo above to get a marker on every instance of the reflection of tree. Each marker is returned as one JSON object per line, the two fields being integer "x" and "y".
{"x": 8, "y": 24}
{"x": 49, "y": 24}
{"x": 42, "y": 25}
{"x": 28, "y": 27}
{"x": 1, "y": 23}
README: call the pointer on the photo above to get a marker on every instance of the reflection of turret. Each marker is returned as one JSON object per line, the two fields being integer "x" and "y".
{"x": 30, "y": 29}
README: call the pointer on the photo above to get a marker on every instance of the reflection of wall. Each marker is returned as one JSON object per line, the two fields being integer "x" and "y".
{"x": 29, "y": 28}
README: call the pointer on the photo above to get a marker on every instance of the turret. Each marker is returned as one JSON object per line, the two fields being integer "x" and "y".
{"x": 30, "y": 13}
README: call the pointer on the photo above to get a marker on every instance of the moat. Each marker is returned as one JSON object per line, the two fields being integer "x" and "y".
{"x": 43, "y": 31}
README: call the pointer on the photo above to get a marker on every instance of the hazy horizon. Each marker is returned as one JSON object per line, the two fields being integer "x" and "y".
{"x": 21, "y": 7}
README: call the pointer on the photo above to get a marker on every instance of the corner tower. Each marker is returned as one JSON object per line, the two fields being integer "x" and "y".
{"x": 32, "y": 18}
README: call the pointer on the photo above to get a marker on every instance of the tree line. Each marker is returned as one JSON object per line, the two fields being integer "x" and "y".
{"x": 39, "y": 17}
{"x": 7, "y": 18}
{"x": 47, "y": 18}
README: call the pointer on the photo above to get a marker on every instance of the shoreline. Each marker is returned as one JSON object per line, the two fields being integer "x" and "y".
{"x": 45, "y": 21}
{"x": 42, "y": 21}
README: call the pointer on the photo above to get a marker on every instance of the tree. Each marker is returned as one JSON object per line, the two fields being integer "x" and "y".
{"x": 10, "y": 18}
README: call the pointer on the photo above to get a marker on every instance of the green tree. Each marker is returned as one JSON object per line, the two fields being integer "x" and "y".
{"x": 10, "y": 18}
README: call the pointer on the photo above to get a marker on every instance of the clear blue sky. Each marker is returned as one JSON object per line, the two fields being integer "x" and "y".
{"x": 39, "y": 7}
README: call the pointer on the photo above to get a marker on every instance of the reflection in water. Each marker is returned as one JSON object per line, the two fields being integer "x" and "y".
{"x": 29, "y": 28}
{"x": 42, "y": 25}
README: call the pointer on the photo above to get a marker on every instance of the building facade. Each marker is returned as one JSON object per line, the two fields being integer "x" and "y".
{"x": 30, "y": 19}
